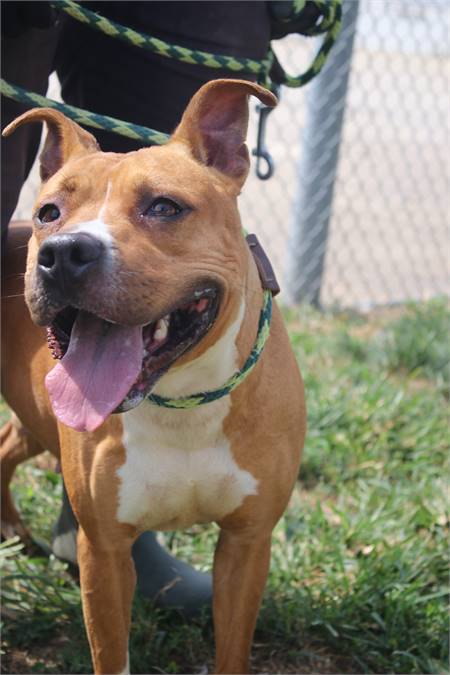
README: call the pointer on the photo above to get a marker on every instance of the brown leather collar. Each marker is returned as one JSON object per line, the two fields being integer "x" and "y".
{"x": 265, "y": 269}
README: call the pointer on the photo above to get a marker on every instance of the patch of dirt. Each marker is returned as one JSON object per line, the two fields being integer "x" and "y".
{"x": 26, "y": 661}
{"x": 319, "y": 663}
{"x": 19, "y": 661}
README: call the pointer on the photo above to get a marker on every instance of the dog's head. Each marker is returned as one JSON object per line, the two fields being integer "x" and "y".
{"x": 138, "y": 258}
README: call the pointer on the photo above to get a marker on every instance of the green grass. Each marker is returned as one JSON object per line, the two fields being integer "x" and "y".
{"x": 418, "y": 342}
{"x": 359, "y": 572}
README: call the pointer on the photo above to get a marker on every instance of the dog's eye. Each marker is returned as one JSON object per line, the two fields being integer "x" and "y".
{"x": 48, "y": 213}
{"x": 163, "y": 207}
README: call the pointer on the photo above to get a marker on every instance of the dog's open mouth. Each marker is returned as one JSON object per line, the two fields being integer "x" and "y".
{"x": 105, "y": 367}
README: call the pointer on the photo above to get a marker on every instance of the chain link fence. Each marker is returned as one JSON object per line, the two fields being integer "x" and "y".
{"x": 386, "y": 238}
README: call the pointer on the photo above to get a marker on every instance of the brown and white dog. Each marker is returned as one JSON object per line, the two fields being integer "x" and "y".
{"x": 138, "y": 266}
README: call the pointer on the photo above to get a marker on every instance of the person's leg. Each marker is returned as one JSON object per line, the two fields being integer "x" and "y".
{"x": 27, "y": 60}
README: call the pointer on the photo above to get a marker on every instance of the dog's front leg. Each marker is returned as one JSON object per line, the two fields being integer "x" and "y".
{"x": 241, "y": 564}
{"x": 107, "y": 580}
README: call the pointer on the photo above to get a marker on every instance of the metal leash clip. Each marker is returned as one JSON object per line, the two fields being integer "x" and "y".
{"x": 261, "y": 151}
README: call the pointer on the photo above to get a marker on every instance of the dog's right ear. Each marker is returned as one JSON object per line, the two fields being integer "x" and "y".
{"x": 65, "y": 139}
{"x": 214, "y": 126}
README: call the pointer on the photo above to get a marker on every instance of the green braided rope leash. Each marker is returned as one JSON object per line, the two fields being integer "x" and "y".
{"x": 149, "y": 136}
{"x": 331, "y": 25}
{"x": 188, "y": 402}
{"x": 331, "y": 11}
{"x": 328, "y": 10}
{"x": 160, "y": 47}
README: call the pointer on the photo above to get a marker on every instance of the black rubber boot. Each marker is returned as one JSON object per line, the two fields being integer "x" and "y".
{"x": 169, "y": 582}
{"x": 64, "y": 539}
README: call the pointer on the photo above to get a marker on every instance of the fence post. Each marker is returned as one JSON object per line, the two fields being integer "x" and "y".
{"x": 317, "y": 166}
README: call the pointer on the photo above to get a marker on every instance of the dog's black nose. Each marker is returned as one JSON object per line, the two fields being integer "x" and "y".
{"x": 66, "y": 259}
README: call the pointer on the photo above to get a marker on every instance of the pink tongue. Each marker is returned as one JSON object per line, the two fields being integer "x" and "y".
{"x": 99, "y": 368}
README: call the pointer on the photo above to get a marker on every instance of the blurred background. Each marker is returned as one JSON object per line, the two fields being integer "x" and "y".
{"x": 357, "y": 212}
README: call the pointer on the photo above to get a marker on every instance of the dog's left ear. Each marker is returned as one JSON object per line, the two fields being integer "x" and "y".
{"x": 214, "y": 125}
{"x": 65, "y": 138}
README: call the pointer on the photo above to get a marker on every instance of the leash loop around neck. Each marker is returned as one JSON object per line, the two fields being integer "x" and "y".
{"x": 194, "y": 400}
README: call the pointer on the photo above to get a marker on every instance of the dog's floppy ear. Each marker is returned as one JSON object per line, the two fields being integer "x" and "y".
{"x": 214, "y": 125}
{"x": 65, "y": 138}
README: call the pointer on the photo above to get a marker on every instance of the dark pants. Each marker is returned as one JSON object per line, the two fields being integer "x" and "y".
{"x": 27, "y": 60}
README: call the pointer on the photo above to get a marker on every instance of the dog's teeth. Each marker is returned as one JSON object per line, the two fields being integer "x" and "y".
{"x": 161, "y": 330}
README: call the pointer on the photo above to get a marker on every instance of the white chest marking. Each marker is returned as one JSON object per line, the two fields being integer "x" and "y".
{"x": 179, "y": 468}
